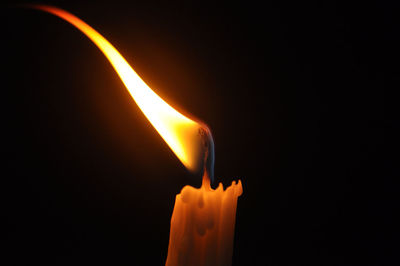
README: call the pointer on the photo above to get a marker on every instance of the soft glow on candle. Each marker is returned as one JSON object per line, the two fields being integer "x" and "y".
{"x": 181, "y": 133}
{"x": 202, "y": 226}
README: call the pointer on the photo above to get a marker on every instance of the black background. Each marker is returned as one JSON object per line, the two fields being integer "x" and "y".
{"x": 301, "y": 100}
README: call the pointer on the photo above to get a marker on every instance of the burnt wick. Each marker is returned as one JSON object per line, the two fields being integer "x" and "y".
{"x": 209, "y": 155}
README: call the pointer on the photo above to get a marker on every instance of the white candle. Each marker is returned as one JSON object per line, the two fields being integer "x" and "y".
{"x": 202, "y": 225}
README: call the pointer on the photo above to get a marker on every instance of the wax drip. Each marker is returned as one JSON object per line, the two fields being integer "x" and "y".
{"x": 209, "y": 157}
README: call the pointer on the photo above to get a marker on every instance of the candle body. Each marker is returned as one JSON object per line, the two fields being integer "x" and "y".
{"x": 202, "y": 225}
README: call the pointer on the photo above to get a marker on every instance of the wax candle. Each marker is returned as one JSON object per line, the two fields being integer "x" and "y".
{"x": 202, "y": 225}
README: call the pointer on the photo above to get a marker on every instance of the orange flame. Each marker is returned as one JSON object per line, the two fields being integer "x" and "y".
{"x": 183, "y": 135}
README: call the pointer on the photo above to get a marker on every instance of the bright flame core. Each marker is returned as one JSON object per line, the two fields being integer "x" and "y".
{"x": 183, "y": 135}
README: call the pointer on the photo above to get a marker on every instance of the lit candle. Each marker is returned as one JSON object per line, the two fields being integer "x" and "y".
{"x": 203, "y": 220}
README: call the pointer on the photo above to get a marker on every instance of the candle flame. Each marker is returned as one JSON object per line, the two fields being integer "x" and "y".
{"x": 183, "y": 135}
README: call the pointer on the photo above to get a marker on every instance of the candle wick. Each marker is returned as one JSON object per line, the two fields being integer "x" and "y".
{"x": 209, "y": 156}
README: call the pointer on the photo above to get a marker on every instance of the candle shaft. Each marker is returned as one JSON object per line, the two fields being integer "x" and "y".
{"x": 202, "y": 225}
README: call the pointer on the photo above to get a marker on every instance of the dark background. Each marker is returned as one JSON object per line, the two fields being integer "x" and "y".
{"x": 301, "y": 100}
